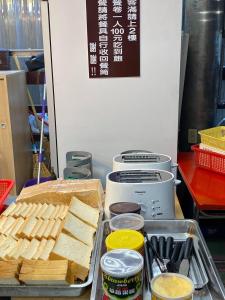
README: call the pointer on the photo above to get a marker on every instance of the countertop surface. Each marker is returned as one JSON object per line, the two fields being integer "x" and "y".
{"x": 206, "y": 188}
{"x": 86, "y": 296}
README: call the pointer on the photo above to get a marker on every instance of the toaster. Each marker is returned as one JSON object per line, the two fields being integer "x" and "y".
{"x": 153, "y": 190}
{"x": 142, "y": 161}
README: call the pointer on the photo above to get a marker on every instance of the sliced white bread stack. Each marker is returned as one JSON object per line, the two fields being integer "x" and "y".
{"x": 45, "y": 272}
{"x": 76, "y": 252}
{"x": 9, "y": 272}
{"x": 75, "y": 242}
{"x": 41, "y": 211}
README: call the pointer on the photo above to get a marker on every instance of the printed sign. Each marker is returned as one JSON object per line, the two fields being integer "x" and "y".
{"x": 113, "y": 28}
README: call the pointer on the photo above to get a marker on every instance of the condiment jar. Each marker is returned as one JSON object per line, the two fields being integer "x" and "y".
{"x": 127, "y": 221}
{"x": 119, "y": 208}
{"x": 122, "y": 274}
{"x": 171, "y": 286}
{"x": 125, "y": 239}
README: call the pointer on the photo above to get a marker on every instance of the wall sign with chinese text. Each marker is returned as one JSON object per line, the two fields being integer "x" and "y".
{"x": 113, "y": 28}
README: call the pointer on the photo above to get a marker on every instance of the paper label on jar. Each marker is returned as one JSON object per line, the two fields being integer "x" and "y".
{"x": 122, "y": 288}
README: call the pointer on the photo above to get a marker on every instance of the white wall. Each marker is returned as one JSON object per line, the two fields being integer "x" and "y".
{"x": 107, "y": 116}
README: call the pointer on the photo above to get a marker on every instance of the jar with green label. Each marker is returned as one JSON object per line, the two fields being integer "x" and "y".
{"x": 122, "y": 274}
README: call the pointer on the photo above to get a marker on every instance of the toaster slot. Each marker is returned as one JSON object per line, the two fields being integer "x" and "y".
{"x": 138, "y": 176}
{"x": 138, "y": 158}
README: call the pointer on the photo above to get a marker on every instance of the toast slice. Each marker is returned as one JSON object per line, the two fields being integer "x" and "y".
{"x": 30, "y": 224}
{"x": 84, "y": 212}
{"x": 9, "y": 210}
{"x": 48, "y": 212}
{"x": 2, "y": 221}
{"x": 75, "y": 251}
{"x": 32, "y": 210}
{"x": 36, "y": 228}
{"x": 56, "y": 229}
{"x": 79, "y": 230}
{"x": 42, "y": 210}
{"x": 31, "y": 250}
{"x": 47, "y": 249}
{"x": 64, "y": 212}
{"x": 22, "y": 208}
{"x": 16, "y": 209}
{"x": 50, "y": 226}
{"x": 22, "y": 248}
{"x": 9, "y": 256}
{"x": 55, "y": 212}
{"x": 11, "y": 231}
{"x": 25, "y": 212}
{"x": 40, "y": 249}
{"x": 8, "y": 245}
{"x": 42, "y": 229}
{"x": 7, "y": 224}
{"x": 38, "y": 209}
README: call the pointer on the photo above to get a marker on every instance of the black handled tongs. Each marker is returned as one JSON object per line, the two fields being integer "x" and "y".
{"x": 159, "y": 260}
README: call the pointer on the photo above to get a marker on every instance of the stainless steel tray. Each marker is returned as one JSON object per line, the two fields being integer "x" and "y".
{"x": 180, "y": 229}
{"x": 197, "y": 271}
{"x": 73, "y": 290}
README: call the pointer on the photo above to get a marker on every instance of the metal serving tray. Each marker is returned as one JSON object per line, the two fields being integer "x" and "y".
{"x": 212, "y": 289}
{"x": 197, "y": 271}
{"x": 73, "y": 290}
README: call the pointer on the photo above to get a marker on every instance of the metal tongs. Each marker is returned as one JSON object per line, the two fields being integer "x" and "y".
{"x": 162, "y": 266}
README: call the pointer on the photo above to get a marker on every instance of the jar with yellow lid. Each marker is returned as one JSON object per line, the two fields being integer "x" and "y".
{"x": 125, "y": 239}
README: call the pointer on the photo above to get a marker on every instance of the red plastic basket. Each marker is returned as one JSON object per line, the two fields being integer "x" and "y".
{"x": 5, "y": 188}
{"x": 209, "y": 160}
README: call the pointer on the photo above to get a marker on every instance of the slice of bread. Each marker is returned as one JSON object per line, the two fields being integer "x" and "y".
{"x": 36, "y": 228}
{"x": 79, "y": 230}
{"x": 84, "y": 212}
{"x": 42, "y": 229}
{"x": 31, "y": 250}
{"x": 42, "y": 210}
{"x": 9, "y": 210}
{"x": 7, "y": 247}
{"x": 19, "y": 231}
{"x": 24, "y": 245}
{"x": 17, "y": 208}
{"x": 47, "y": 279}
{"x": 49, "y": 228}
{"x": 14, "y": 250}
{"x": 22, "y": 208}
{"x": 7, "y": 224}
{"x": 75, "y": 251}
{"x": 38, "y": 209}
{"x": 32, "y": 210}
{"x": 25, "y": 212}
{"x": 47, "y": 249}
{"x": 55, "y": 212}
{"x": 48, "y": 212}
{"x": 2, "y": 239}
{"x": 14, "y": 227}
{"x": 56, "y": 229}
{"x": 26, "y": 232}
{"x": 40, "y": 249}
{"x": 64, "y": 212}
{"x": 2, "y": 221}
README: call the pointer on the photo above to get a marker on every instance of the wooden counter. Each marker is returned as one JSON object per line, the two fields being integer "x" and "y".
{"x": 179, "y": 215}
